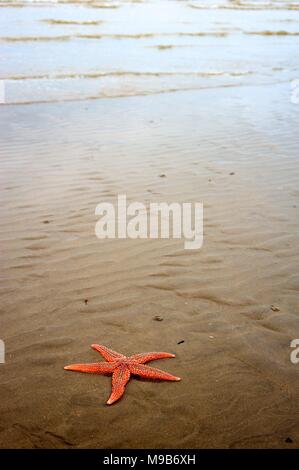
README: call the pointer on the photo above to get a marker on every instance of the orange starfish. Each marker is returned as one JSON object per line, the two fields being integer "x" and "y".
{"x": 121, "y": 368}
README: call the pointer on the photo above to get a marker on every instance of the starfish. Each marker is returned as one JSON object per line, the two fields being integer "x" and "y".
{"x": 122, "y": 367}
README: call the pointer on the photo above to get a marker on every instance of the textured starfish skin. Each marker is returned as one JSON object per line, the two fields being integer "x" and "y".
{"x": 122, "y": 367}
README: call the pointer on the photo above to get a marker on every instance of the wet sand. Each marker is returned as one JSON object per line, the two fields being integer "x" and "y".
{"x": 229, "y": 311}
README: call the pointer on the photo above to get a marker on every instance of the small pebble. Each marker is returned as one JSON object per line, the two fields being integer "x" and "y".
{"x": 162, "y": 175}
{"x": 232, "y": 173}
{"x": 46, "y": 222}
{"x": 289, "y": 440}
{"x": 158, "y": 318}
{"x": 274, "y": 308}
{"x": 86, "y": 301}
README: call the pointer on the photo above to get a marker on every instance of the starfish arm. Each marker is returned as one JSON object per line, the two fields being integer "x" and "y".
{"x": 142, "y": 358}
{"x": 120, "y": 378}
{"x": 147, "y": 372}
{"x": 107, "y": 354}
{"x": 95, "y": 368}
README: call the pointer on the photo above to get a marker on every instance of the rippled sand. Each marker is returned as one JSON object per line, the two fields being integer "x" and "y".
{"x": 198, "y": 98}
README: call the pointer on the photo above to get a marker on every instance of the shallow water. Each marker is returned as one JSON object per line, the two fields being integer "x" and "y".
{"x": 56, "y": 51}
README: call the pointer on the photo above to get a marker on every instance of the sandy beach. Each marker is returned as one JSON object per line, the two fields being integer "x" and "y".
{"x": 162, "y": 101}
